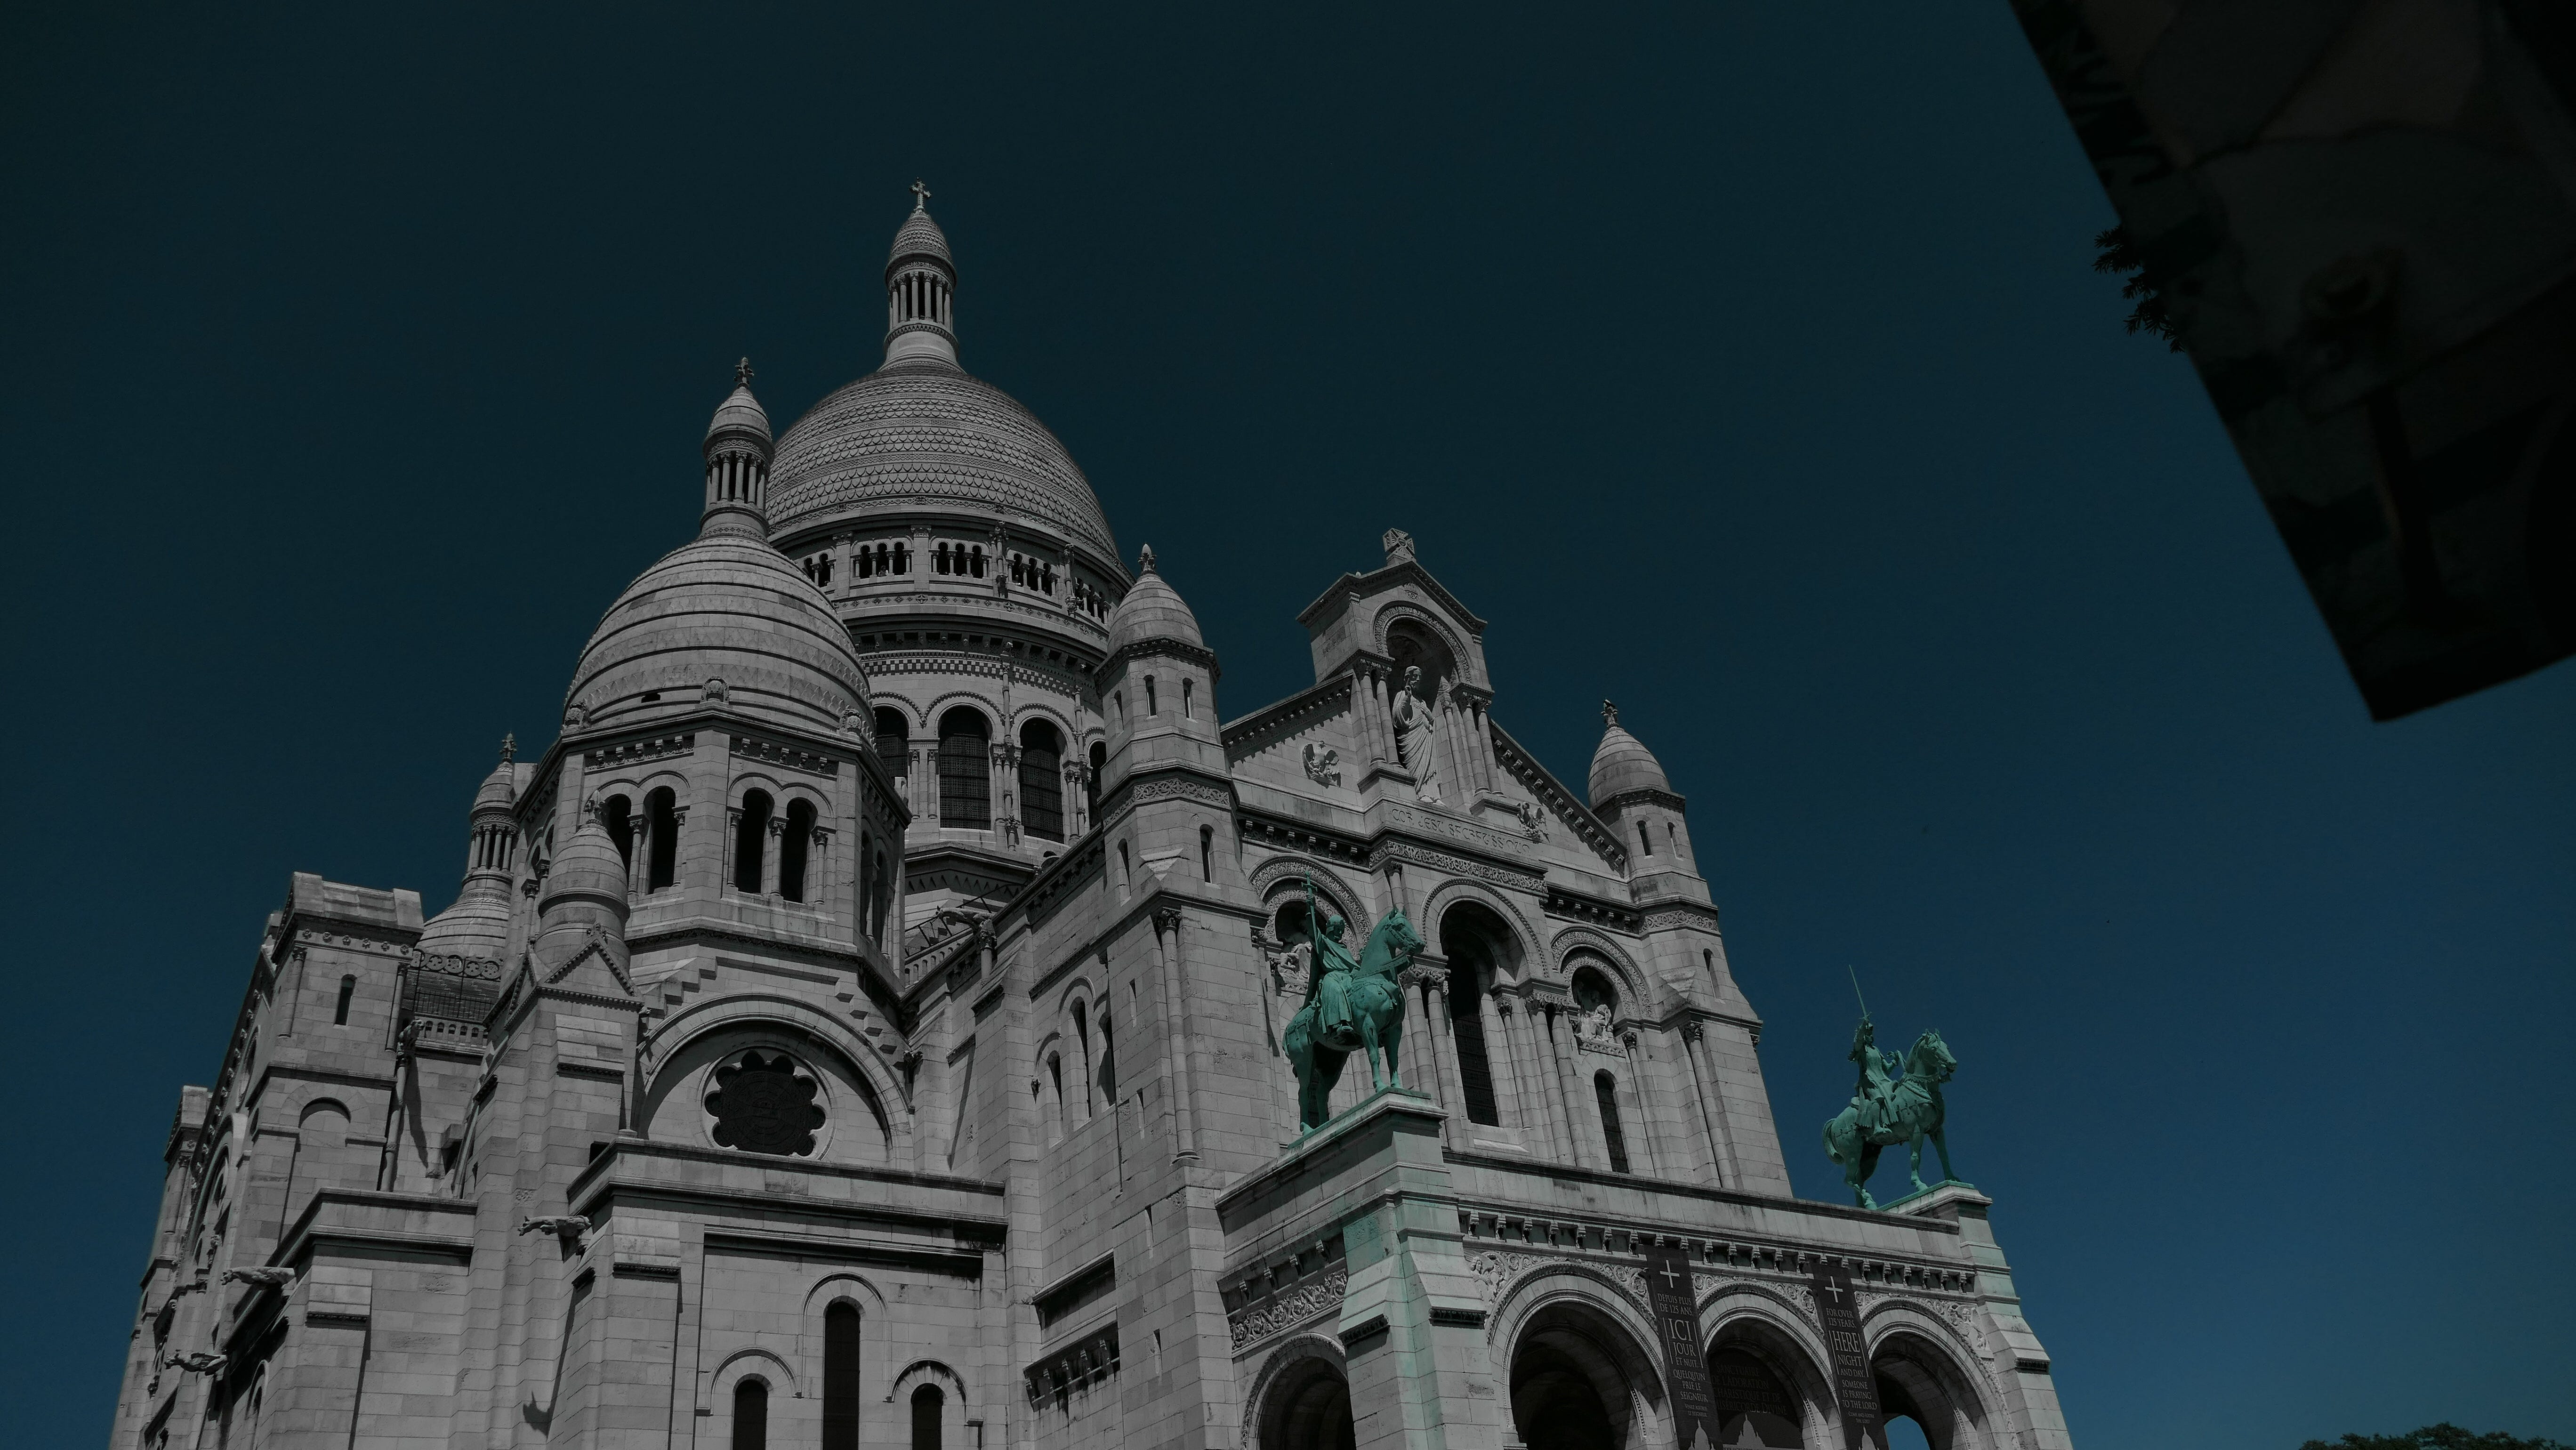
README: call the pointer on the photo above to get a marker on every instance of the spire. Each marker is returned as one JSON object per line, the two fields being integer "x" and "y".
{"x": 737, "y": 450}
{"x": 921, "y": 289}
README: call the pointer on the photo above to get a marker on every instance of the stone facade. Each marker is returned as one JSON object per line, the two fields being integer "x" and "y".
{"x": 860, "y": 1028}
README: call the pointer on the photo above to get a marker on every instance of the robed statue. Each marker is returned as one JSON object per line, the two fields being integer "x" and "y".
{"x": 1353, "y": 1004}
{"x": 1893, "y": 1101}
{"x": 1415, "y": 724}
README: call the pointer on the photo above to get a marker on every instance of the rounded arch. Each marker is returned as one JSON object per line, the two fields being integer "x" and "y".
{"x": 1068, "y": 736}
{"x": 908, "y": 716}
{"x": 753, "y": 1363}
{"x": 1631, "y": 978}
{"x": 1779, "y": 1335}
{"x": 1389, "y": 627}
{"x": 1578, "y": 1371}
{"x": 1926, "y": 1369}
{"x": 1301, "y": 1397}
{"x": 964, "y": 711}
{"x": 1489, "y": 932}
{"x": 927, "y": 1371}
{"x": 686, "y": 1047}
{"x": 1280, "y": 874}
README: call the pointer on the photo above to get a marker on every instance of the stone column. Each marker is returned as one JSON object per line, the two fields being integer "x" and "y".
{"x": 1444, "y": 1048}
{"x": 769, "y": 858}
{"x": 1634, "y": 1080}
{"x": 732, "y": 838}
{"x": 1176, "y": 1047}
{"x": 1582, "y": 1120}
{"x": 1539, "y": 1097}
{"x": 639, "y": 861}
{"x": 1704, "y": 1083}
{"x": 1502, "y": 1059}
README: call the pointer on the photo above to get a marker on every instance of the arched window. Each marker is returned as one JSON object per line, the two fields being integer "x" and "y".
{"x": 1474, "y": 940}
{"x": 1091, "y": 785}
{"x": 792, "y": 850}
{"x": 749, "y": 838}
{"x": 1151, "y": 707}
{"x": 1644, "y": 846}
{"x": 751, "y": 1416}
{"x": 1082, "y": 1034}
{"x": 1108, "y": 1064}
{"x": 348, "y": 989}
{"x": 662, "y": 837}
{"x": 884, "y": 899}
{"x": 894, "y": 742}
{"x": 1605, "y": 1090}
{"x": 1055, "y": 1083}
{"x": 841, "y": 1377}
{"x": 1042, "y": 781}
{"x": 1187, "y": 686}
{"x": 1207, "y": 853}
{"x": 927, "y": 1402}
{"x": 965, "y": 771}
{"x": 618, "y": 815}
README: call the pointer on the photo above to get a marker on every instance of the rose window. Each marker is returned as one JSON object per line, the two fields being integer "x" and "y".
{"x": 762, "y": 1103}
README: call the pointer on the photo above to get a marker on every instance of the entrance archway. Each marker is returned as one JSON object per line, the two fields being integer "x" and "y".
{"x": 1919, "y": 1380}
{"x": 1308, "y": 1407}
{"x": 1575, "y": 1381}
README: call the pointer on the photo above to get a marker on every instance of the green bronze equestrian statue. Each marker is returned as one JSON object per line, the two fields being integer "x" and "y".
{"x": 1885, "y": 1110}
{"x": 1351, "y": 1006}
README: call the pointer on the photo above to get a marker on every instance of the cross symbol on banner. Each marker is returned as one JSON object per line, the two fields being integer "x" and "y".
{"x": 1671, "y": 1277}
{"x": 1834, "y": 1289}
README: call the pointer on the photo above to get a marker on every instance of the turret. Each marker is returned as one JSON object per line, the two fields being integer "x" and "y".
{"x": 921, "y": 289}
{"x": 1632, "y": 796}
{"x": 477, "y": 925}
{"x": 583, "y": 900}
{"x": 737, "y": 450}
{"x": 1158, "y": 697}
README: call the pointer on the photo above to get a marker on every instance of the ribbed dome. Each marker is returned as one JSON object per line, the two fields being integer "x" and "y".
{"x": 1622, "y": 764}
{"x": 478, "y": 925}
{"x": 919, "y": 236}
{"x": 926, "y": 434}
{"x": 500, "y": 788}
{"x": 589, "y": 869}
{"x": 740, "y": 412}
{"x": 1152, "y": 610}
{"x": 721, "y": 607}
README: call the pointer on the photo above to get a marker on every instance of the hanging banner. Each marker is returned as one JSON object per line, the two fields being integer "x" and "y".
{"x": 1855, "y": 1388}
{"x": 1676, "y": 1305}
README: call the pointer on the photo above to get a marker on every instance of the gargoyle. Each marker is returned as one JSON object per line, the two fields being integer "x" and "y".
{"x": 260, "y": 1278}
{"x": 198, "y": 1363}
{"x": 569, "y": 1227}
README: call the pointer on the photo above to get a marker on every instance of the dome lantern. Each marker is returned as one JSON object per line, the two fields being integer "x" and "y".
{"x": 737, "y": 451}
{"x": 921, "y": 289}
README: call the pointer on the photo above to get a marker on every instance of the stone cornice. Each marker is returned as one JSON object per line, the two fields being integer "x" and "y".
{"x": 1198, "y": 655}
{"x": 1317, "y": 702}
{"x": 1642, "y": 795}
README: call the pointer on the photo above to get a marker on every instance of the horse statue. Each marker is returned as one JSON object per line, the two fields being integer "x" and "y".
{"x": 1350, "y": 1007}
{"x": 1884, "y": 1112}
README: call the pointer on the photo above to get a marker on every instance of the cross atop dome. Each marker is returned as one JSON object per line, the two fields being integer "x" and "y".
{"x": 1609, "y": 713}
{"x": 920, "y": 195}
{"x": 742, "y": 373}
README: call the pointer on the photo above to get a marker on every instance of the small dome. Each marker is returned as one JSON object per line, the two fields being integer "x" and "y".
{"x": 500, "y": 789}
{"x": 1623, "y": 763}
{"x": 478, "y": 925}
{"x": 1152, "y": 610}
{"x": 721, "y": 619}
{"x": 740, "y": 412}
{"x": 589, "y": 867}
{"x": 919, "y": 236}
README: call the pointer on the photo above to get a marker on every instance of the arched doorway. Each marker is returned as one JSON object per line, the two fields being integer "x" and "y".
{"x": 1307, "y": 1408}
{"x": 1769, "y": 1390}
{"x": 1480, "y": 948}
{"x": 1918, "y": 1381}
{"x": 1575, "y": 1380}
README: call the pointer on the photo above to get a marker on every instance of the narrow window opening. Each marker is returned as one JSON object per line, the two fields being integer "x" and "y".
{"x": 662, "y": 836}
{"x": 927, "y": 1402}
{"x": 965, "y": 770}
{"x": 1042, "y": 781}
{"x": 841, "y": 1377}
{"x": 340, "y": 1013}
{"x": 748, "y": 840}
{"x": 619, "y": 816}
{"x": 1207, "y": 853}
{"x": 751, "y": 1416}
{"x": 1055, "y": 1077}
{"x": 1108, "y": 1064}
{"x": 1644, "y": 846}
{"x": 1091, "y": 782}
{"x": 792, "y": 850}
{"x": 1606, "y": 1092}
{"x": 1153, "y": 706}
{"x": 1187, "y": 686}
{"x": 1123, "y": 870}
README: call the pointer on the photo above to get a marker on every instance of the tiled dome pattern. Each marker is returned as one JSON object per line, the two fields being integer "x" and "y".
{"x": 729, "y": 608}
{"x": 927, "y": 434}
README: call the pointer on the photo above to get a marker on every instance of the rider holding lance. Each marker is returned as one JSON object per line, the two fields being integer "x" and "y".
{"x": 1330, "y": 971}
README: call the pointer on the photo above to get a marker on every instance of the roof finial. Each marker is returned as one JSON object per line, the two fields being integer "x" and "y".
{"x": 742, "y": 373}
{"x": 1145, "y": 560}
{"x": 1609, "y": 715}
{"x": 920, "y": 195}
{"x": 509, "y": 748}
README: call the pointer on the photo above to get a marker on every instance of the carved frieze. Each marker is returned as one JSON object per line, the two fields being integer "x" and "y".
{"x": 637, "y": 752}
{"x": 1420, "y": 855}
{"x": 771, "y": 752}
{"x": 1303, "y": 1304}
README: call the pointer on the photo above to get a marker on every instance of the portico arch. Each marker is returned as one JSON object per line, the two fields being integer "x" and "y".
{"x": 1301, "y": 1399}
{"x": 1580, "y": 1377}
{"x": 1755, "y": 1327}
{"x": 1925, "y": 1372}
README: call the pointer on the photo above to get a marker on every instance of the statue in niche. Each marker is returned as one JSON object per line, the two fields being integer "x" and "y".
{"x": 1594, "y": 1026}
{"x": 1415, "y": 719}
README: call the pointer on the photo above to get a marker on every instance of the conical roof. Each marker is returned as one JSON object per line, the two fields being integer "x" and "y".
{"x": 1153, "y": 609}
{"x": 919, "y": 236}
{"x": 588, "y": 867}
{"x": 1623, "y": 763}
{"x": 740, "y": 412}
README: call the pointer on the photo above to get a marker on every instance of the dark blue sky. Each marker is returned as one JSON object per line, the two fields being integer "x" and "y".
{"x": 1741, "y": 363}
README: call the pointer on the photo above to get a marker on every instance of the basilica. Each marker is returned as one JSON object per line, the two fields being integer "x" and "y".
{"x": 881, "y": 1017}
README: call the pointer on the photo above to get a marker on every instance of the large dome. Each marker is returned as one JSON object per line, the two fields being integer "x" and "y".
{"x": 723, "y": 607}
{"x": 925, "y": 434}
